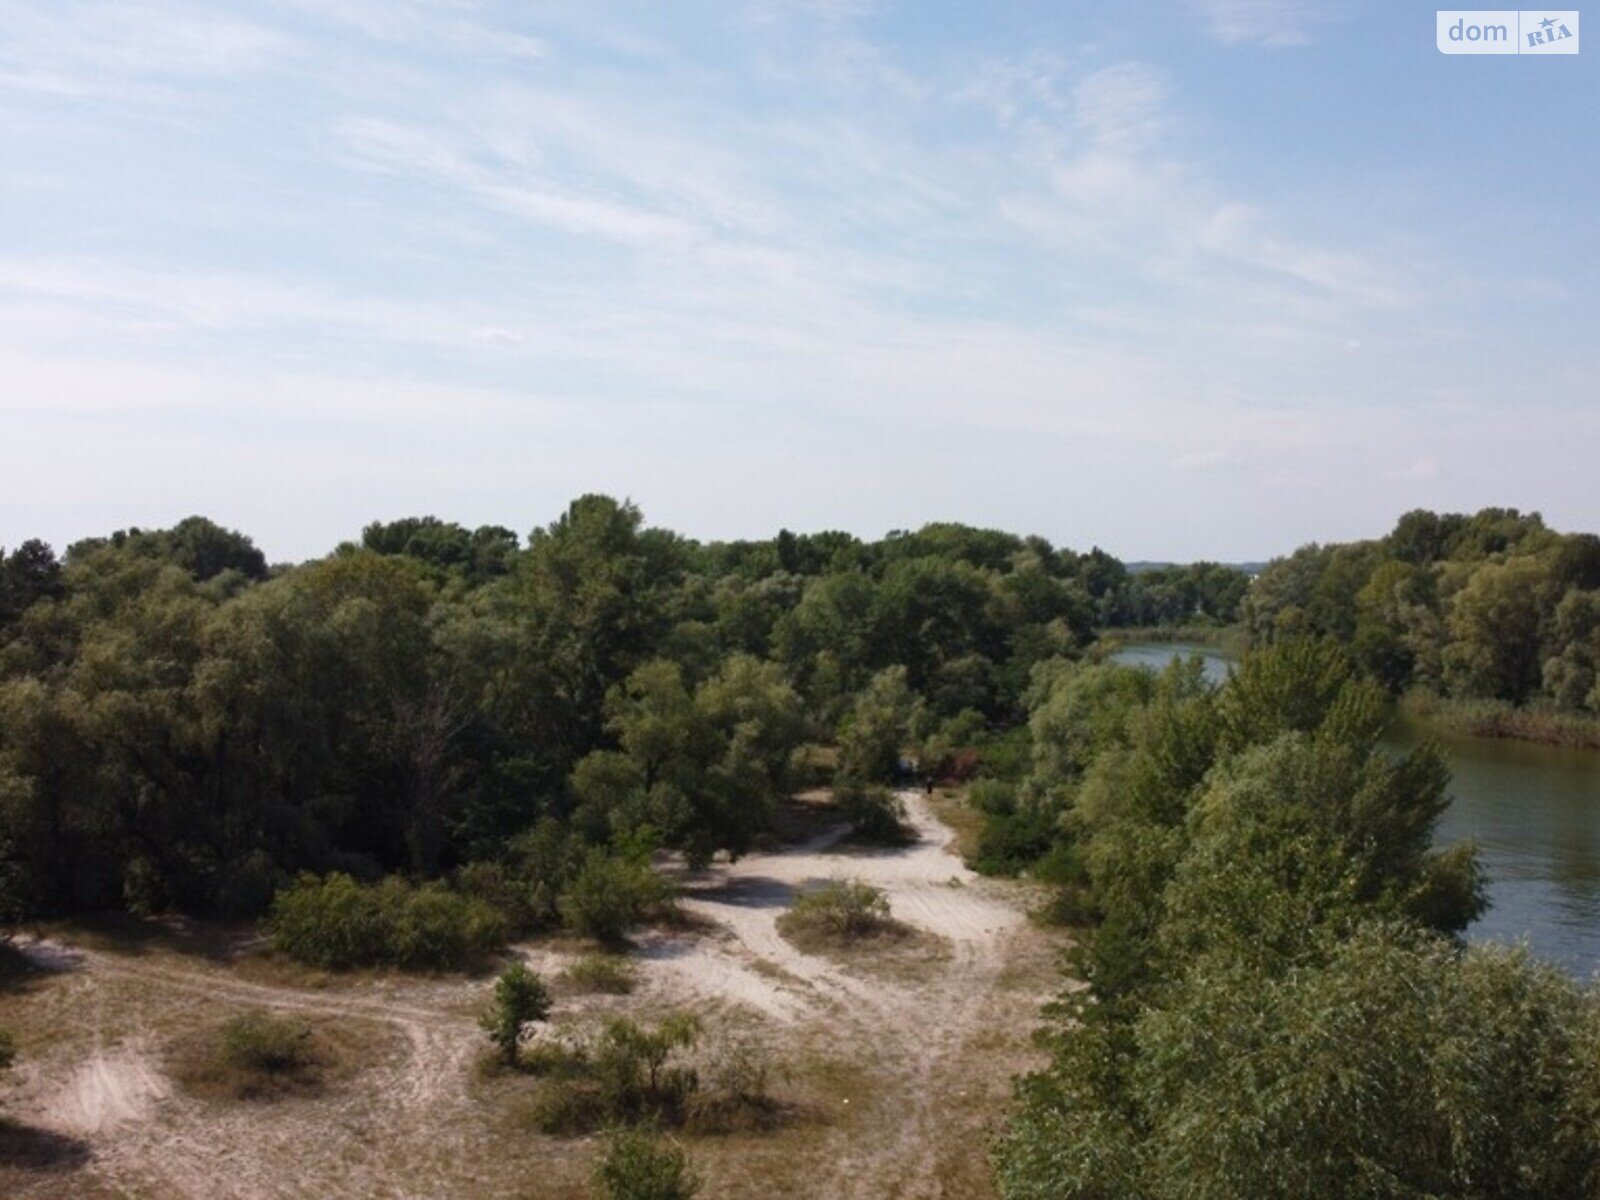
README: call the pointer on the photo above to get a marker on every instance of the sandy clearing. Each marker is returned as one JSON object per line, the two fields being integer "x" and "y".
{"x": 113, "y": 1087}
{"x": 714, "y": 969}
{"x": 926, "y": 884}
{"x": 931, "y": 1076}
{"x": 913, "y": 1066}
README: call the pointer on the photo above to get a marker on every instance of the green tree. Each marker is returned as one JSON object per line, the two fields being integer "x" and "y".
{"x": 1495, "y": 625}
{"x": 520, "y": 999}
{"x": 878, "y": 727}
{"x": 1572, "y": 674}
{"x": 1389, "y": 1067}
{"x": 612, "y": 891}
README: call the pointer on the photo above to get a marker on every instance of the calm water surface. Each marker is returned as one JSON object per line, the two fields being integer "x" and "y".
{"x": 1534, "y": 812}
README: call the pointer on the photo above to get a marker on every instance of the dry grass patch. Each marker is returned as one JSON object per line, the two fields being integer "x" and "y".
{"x": 603, "y": 974}
{"x": 258, "y": 1055}
{"x": 961, "y": 819}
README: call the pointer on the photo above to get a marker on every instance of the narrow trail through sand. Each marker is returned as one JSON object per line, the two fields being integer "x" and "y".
{"x": 415, "y": 1124}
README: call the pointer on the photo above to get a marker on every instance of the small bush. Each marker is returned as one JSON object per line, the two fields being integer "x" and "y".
{"x": 497, "y": 886}
{"x": 637, "y": 1069}
{"x": 837, "y": 911}
{"x": 555, "y": 1058}
{"x": 520, "y": 1000}
{"x": 876, "y": 813}
{"x": 1007, "y": 755}
{"x": 1012, "y": 842}
{"x": 735, "y": 1088}
{"x": 337, "y": 923}
{"x": 611, "y": 893}
{"x": 608, "y": 974}
{"x": 994, "y": 797}
{"x": 259, "y": 1041}
{"x": 630, "y": 1072}
{"x": 254, "y": 1055}
{"x": 640, "y": 1165}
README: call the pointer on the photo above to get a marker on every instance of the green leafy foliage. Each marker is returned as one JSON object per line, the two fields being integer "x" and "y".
{"x": 1493, "y": 606}
{"x": 339, "y": 923}
{"x": 260, "y": 1041}
{"x": 843, "y": 910}
{"x": 875, "y": 813}
{"x": 520, "y": 1000}
{"x": 182, "y": 728}
{"x": 638, "y": 1164}
{"x": 612, "y": 892}
{"x": 879, "y": 727}
{"x": 256, "y": 1055}
{"x": 1275, "y": 1007}
{"x": 630, "y": 1072}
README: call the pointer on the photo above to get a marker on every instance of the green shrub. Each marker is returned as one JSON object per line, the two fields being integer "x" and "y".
{"x": 261, "y": 1042}
{"x": 735, "y": 1088}
{"x": 501, "y": 889}
{"x": 555, "y": 1058}
{"x": 337, "y": 923}
{"x": 875, "y": 813}
{"x": 435, "y": 927}
{"x": 1012, "y": 842}
{"x": 630, "y": 1072}
{"x": 640, "y": 1165}
{"x": 837, "y": 911}
{"x": 609, "y": 974}
{"x": 637, "y": 1071}
{"x": 612, "y": 892}
{"x": 994, "y": 797}
{"x": 253, "y": 1055}
{"x": 1007, "y": 755}
{"x": 520, "y": 1000}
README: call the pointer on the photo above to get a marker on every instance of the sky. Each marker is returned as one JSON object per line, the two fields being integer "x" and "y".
{"x": 1187, "y": 279}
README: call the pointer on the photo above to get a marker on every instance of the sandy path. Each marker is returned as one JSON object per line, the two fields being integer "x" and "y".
{"x": 149, "y": 1140}
{"x": 417, "y": 1124}
{"x": 917, "y": 1033}
{"x": 110, "y": 1089}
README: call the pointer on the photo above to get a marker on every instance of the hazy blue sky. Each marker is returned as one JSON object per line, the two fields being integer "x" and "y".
{"x": 1207, "y": 278}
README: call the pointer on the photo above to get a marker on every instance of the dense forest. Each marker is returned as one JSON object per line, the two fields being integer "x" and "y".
{"x": 1494, "y": 606}
{"x": 184, "y": 727}
{"x": 436, "y": 735}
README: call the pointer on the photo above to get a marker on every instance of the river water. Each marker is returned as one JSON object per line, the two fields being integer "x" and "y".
{"x": 1534, "y": 812}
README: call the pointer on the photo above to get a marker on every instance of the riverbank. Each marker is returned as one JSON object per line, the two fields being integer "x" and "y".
{"x": 1229, "y": 640}
{"x": 1498, "y": 719}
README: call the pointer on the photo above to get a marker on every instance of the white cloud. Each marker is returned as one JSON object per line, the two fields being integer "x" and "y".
{"x": 1115, "y": 188}
{"x": 1236, "y": 231}
{"x": 1029, "y": 277}
{"x": 1122, "y": 107}
{"x": 1418, "y": 471}
{"x": 427, "y": 23}
{"x": 1266, "y": 22}
{"x": 131, "y": 51}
